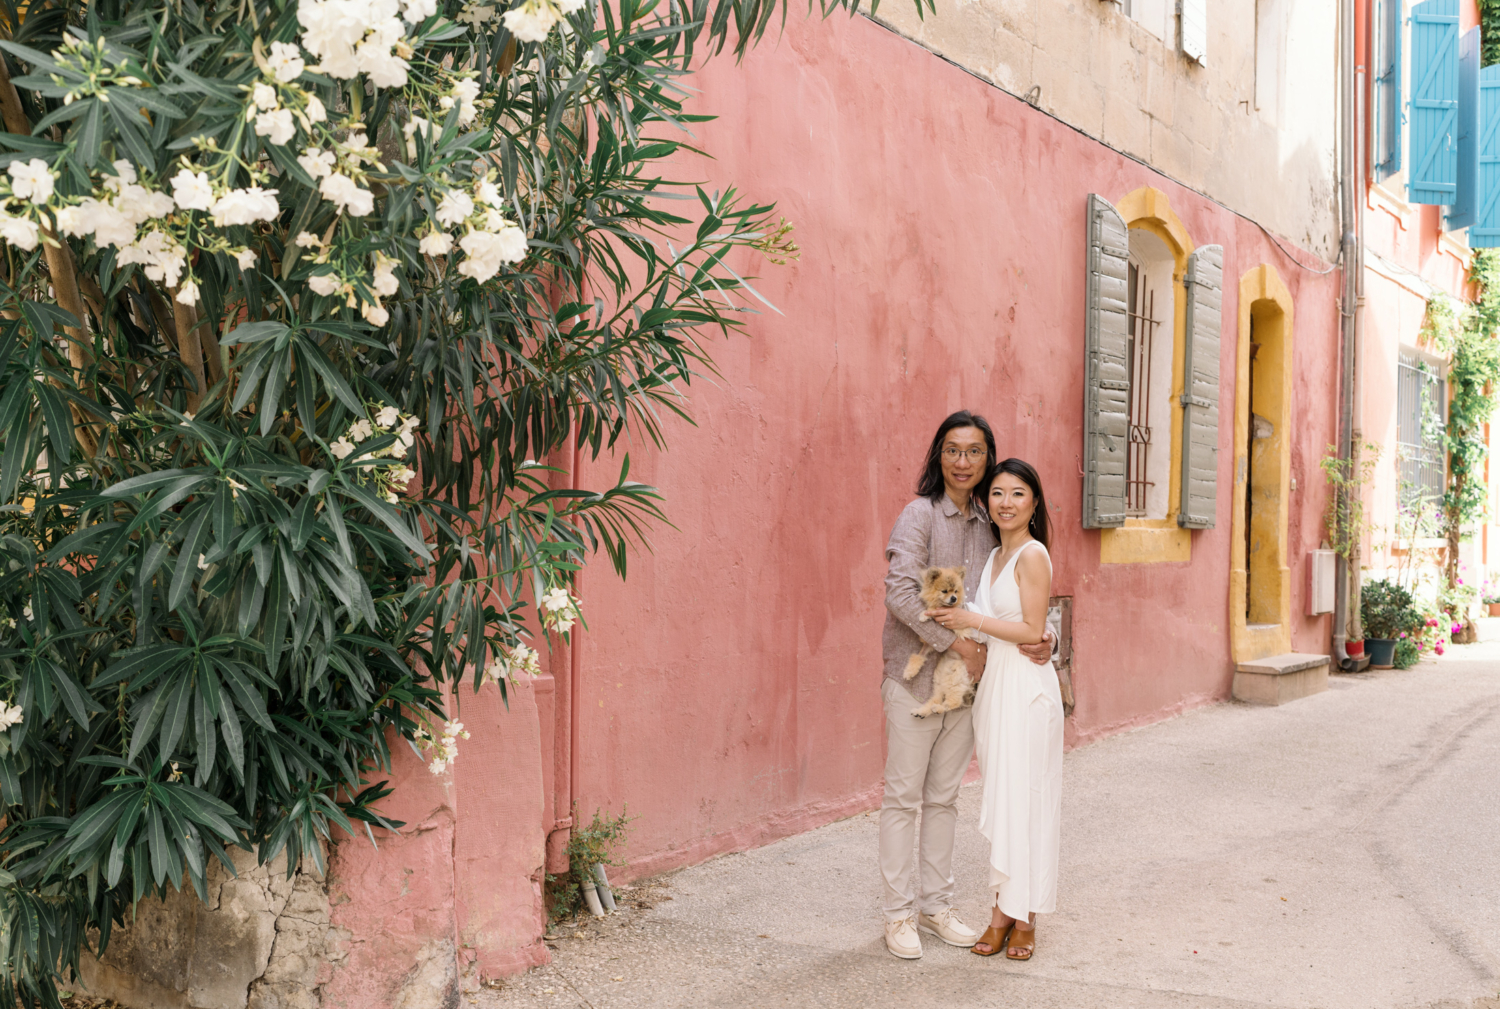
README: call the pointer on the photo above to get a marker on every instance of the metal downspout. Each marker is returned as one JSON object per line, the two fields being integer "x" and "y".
{"x": 1351, "y": 257}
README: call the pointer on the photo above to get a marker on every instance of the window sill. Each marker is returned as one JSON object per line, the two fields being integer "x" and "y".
{"x": 1145, "y": 544}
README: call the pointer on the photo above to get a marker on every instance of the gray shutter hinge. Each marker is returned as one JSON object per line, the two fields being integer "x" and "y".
{"x": 1187, "y": 400}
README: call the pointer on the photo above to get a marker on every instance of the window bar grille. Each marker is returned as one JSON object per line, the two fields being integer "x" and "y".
{"x": 1141, "y": 323}
{"x": 1419, "y": 452}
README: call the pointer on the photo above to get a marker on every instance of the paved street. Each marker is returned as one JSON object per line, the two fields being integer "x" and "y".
{"x": 1336, "y": 853}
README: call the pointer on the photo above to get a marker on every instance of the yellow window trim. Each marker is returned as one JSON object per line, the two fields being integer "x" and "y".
{"x": 1155, "y": 541}
{"x": 1254, "y": 641}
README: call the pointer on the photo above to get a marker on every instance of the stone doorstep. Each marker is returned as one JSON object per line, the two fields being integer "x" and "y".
{"x": 1280, "y": 678}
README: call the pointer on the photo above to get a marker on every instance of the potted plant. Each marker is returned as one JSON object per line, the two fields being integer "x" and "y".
{"x": 1492, "y": 601}
{"x": 1386, "y": 611}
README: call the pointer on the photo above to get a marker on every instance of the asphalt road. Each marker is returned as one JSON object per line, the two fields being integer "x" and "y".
{"x": 1339, "y": 852}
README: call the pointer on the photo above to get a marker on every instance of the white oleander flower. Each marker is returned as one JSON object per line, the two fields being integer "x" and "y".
{"x": 263, "y": 96}
{"x": 191, "y": 191}
{"x": 140, "y": 204}
{"x": 532, "y": 20}
{"x": 31, "y": 181}
{"x": 437, "y": 767}
{"x": 245, "y": 258}
{"x": 360, "y": 430}
{"x": 160, "y": 256}
{"x": 307, "y": 240}
{"x": 246, "y": 206}
{"x": 318, "y": 164}
{"x": 286, "y": 62}
{"x": 342, "y": 449}
{"x": 466, "y": 90}
{"x": 346, "y": 195}
{"x": 557, "y": 599}
{"x": 19, "y": 231}
{"x": 124, "y": 174}
{"x": 513, "y": 244}
{"x": 26, "y": 612}
{"x": 435, "y": 243}
{"x": 188, "y": 293}
{"x": 487, "y": 193}
{"x": 10, "y": 714}
{"x": 202, "y": 562}
{"x": 374, "y": 313}
{"x": 455, "y": 208}
{"x": 387, "y": 416}
{"x": 417, "y": 11}
{"x": 277, "y": 127}
{"x": 315, "y": 110}
{"x": 74, "y": 222}
{"x": 384, "y": 281}
{"x": 324, "y": 284}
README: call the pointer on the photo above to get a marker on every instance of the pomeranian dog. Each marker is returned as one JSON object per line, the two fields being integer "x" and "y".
{"x": 943, "y": 588}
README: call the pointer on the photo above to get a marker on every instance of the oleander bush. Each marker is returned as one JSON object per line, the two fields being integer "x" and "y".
{"x": 296, "y": 299}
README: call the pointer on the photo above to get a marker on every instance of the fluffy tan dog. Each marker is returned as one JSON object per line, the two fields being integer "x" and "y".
{"x": 951, "y": 687}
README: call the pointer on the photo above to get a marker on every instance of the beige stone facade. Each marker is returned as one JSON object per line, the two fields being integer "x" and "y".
{"x": 1253, "y": 126}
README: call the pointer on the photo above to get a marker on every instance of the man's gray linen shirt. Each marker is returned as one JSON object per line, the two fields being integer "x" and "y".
{"x": 955, "y": 540}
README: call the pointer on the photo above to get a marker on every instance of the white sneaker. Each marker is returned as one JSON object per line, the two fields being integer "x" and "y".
{"x": 947, "y": 927}
{"x": 902, "y": 940}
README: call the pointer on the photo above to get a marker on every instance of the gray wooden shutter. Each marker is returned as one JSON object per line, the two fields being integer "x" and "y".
{"x": 1193, "y": 18}
{"x": 1200, "y": 397}
{"x": 1106, "y": 387}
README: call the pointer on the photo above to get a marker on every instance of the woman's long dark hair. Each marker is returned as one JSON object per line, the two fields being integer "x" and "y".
{"x": 930, "y": 485}
{"x": 1040, "y": 526}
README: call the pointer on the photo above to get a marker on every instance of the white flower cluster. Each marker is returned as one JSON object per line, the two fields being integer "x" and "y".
{"x": 388, "y": 420}
{"x": 273, "y": 120}
{"x": 520, "y": 659}
{"x": 446, "y": 745}
{"x": 31, "y": 182}
{"x": 10, "y": 714}
{"x": 533, "y": 19}
{"x": 352, "y": 37}
{"x": 489, "y": 241}
{"x": 560, "y": 610}
{"x": 120, "y": 219}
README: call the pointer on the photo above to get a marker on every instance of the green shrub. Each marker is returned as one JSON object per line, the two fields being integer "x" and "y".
{"x": 589, "y": 846}
{"x": 1406, "y": 653}
{"x": 1386, "y": 610}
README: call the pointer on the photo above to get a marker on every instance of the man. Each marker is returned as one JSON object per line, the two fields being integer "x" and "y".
{"x": 927, "y": 757}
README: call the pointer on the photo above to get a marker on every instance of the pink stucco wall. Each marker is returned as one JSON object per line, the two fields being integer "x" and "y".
{"x": 727, "y": 693}
{"x": 729, "y": 688}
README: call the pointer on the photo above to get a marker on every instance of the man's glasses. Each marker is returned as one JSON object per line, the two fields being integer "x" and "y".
{"x": 953, "y": 452}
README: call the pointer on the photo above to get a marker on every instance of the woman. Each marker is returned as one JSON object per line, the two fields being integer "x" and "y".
{"x": 1018, "y": 713}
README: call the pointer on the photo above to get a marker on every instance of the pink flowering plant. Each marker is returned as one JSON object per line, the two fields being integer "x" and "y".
{"x": 297, "y": 299}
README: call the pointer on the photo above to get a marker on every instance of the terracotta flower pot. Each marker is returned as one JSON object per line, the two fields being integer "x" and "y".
{"x": 1494, "y": 609}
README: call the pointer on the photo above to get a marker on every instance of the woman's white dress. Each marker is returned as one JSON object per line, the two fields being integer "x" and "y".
{"x": 1018, "y": 733}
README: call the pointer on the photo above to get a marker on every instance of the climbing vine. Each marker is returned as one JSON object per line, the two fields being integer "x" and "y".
{"x": 1473, "y": 370}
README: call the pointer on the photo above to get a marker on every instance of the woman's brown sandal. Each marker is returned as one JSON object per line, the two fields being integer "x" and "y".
{"x": 1022, "y": 939}
{"x": 994, "y": 938}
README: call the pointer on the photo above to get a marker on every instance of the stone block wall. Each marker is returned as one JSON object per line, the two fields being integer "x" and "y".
{"x": 263, "y": 941}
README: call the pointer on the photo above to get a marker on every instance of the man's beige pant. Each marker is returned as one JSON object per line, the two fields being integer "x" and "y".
{"x": 924, "y": 767}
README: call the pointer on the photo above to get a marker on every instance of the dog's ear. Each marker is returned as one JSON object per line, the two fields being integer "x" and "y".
{"x": 930, "y": 576}
{"x": 963, "y": 572}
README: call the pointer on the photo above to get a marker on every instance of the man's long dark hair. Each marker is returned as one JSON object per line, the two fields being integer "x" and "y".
{"x": 1040, "y": 526}
{"x": 930, "y": 485}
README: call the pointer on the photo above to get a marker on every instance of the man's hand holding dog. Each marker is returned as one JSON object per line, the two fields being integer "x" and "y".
{"x": 960, "y": 620}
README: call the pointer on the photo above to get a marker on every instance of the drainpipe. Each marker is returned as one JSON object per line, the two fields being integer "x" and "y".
{"x": 1350, "y": 297}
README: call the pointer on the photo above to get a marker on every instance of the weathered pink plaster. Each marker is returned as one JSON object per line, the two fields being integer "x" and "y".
{"x": 728, "y": 692}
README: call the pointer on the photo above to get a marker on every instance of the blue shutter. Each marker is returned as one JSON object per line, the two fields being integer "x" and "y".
{"x": 1434, "y": 103}
{"x": 1389, "y": 115}
{"x": 1484, "y": 233}
{"x": 1466, "y": 200}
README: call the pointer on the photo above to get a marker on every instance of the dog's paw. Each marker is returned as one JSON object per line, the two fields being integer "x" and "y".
{"x": 924, "y": 618}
